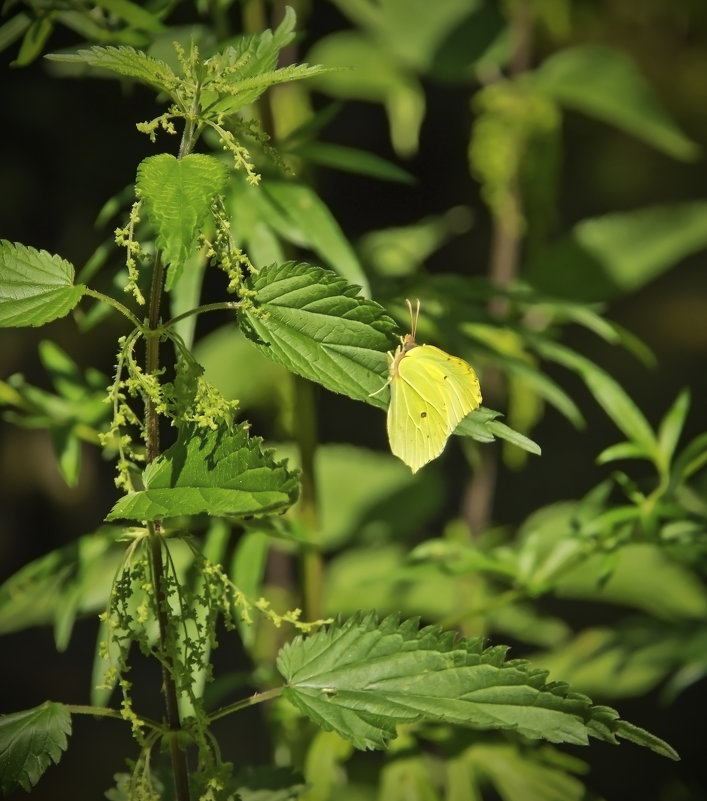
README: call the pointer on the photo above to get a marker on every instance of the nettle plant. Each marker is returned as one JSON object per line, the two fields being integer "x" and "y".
{"x": 195, "y": 476}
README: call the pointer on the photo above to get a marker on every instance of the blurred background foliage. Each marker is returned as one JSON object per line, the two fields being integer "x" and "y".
{"x": 593, "y": 156}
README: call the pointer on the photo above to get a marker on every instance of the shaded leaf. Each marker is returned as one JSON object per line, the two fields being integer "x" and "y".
{"x": 317, "y": 227}
{"x": 214, "y": 472}
{"x": 362, "y": 677}
{"x": 29, "y": 742}
{"x": 621, "y": 252}
{"x": 62, "y": 584}
{"x": 349, "y": 159}
{"x": 604, "y": 83}
{"x": 607, "y": 391}
{"x": 35, "y": 38}
{"x": 672, "y": 424}
{"x": 315, "y": 324}
{"x": 35, "y": 287}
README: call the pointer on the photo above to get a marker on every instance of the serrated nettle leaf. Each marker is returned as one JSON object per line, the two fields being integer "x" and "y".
{"x": 29, "y": 742}
{"x": 35, "y": 287}
{"x": 128, "y": 62}
{"x": 216, "y": 472}
{"x": 315, "y": 324}
{"x": 178, "y": 194}
{"x": 362, "y": 677}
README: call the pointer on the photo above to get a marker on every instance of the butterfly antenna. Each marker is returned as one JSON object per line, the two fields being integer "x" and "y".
{"x": 414, "y": 315}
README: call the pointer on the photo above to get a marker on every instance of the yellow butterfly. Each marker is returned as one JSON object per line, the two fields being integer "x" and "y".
{"x": 431, "y": 392}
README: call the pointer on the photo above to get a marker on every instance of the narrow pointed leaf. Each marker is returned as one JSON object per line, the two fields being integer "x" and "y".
{"x": 362, "y": 677}
{"x": 29, "y": 742}
{"x": 128, "y": 62}
{"x": 608, "y": 393}
{"x": 672, "y": 424}
{"x": 605, "y": 83}
{"x": 211, "y": 472}
{"x": 317, "y": 227}
{"x": 35, "y": 287}
{"x": 315, "y": 324}
{"x": 178, "y": 194}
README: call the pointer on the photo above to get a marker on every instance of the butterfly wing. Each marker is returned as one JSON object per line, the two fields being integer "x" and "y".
{"x": 430, "y": 393}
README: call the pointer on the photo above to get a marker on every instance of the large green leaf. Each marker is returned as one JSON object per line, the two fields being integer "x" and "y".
{"x": 29, "y": 742}
{"x": 606, "y": 256}
{"x": 35, "y": 287}
{"x": 315, "y": 324}
{"x": 604, "y": 83}
{"x": 178, "y": 194}
{"x": 362, "y": 677}
{"x": 216, "y": 472}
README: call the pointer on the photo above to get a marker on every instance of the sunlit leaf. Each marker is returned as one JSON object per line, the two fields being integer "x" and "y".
{"x": 35, "y": 287}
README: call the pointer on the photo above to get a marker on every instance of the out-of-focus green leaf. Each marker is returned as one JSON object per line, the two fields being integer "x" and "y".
{"x": 604, "y": 83}
{"x": 35, "y": 38}
{"x": 13, "y": 29}
{"x": 67, "y": 582}
{"x": 322, "y": 767}
{"x": 370, "y": 497}
{"x": 521, "y": 774}
{"x": 402, "y": 251}
{"x": 216, "y": 472}
{"x": 643, "y": 578}
{"x": 618, "y": 253}
{"x": 134, "y": 14}
{"x": 671, "y": 426}
{"x": 349, "y": 159}
{"x": 373, "y": 75}
{"x": 607, "y": 392}
{"x": 318, "y": 228}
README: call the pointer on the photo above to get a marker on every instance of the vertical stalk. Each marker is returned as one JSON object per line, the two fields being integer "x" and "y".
{"x": 311, "y": 566}
{"x": 180, "y": 768}
{"x": 504, "y": 259}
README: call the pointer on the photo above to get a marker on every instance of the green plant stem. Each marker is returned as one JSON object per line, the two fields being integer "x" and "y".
{"x": 180, "y": 768}
{"x": 207, "y": 307}
{"x": 503, "y": 269}
{"x": 311, "y": 566}
{"x": 107, "y": 712}
{"x": 115, "y": 304}
{"x": 257, "y": 698}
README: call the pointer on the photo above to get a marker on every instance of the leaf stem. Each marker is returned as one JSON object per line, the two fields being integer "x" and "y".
{"x": 256, "y": 698}
{"x": 108, "y": 712}
{"x": 207, "y": 307}
{"x": 116, "y": 304}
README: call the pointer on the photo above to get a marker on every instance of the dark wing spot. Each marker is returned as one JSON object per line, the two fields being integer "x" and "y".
{"x": 446, "y": 377}
{"x": 423, "y": 414}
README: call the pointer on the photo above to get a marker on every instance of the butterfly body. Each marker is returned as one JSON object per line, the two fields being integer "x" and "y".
{"x": 431, "y": 392}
